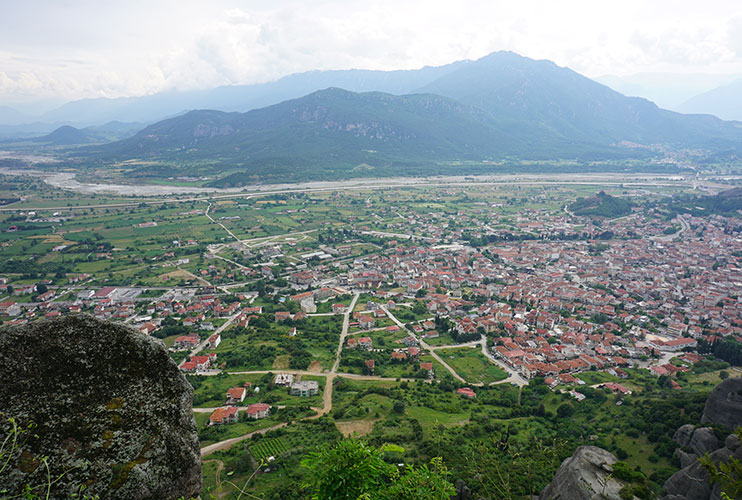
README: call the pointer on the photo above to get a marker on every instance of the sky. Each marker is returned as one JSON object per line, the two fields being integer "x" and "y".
{"x": 63, "y": 50}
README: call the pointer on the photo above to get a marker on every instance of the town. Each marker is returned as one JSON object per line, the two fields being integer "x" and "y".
{"x": 275, "y": 305}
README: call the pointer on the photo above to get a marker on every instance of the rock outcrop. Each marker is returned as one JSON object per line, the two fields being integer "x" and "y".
{"x": 694, "y": 443}
{"x": 723, "y": 407}
{"x": 692, "y": 481}
{"x": 586, "y": 475}
{"x": 110, "y": 410}
{"x": 724, "y": 404}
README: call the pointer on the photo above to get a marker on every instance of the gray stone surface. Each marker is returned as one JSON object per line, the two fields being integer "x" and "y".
{"x": 584, "y": 476}
{"x": 732, "y": 442}
{"x": 695, "y": 443}
{"x": 703, "y": 441}
{"x": 683, "y": 434}
{"x": 692, "y": 482}
{"x": 724, "y": 404}
{"x": 686, "y": 459}
{"x": 112, "y": 411}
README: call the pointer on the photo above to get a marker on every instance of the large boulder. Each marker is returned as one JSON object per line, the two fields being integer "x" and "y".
{"x": 110, "y": 411}
{"x": 586, "y": 475}
{"x": 703, "y": 441}
{"x": 694, "y": 443}
{"x": 692, "y": 482}
{"x": 684, "y": 434}
{"x": 724, "y": 404}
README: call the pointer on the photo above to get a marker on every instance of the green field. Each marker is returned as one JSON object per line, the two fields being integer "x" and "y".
{"x": 471, "y": 364}
{"x": 268, "y": 448}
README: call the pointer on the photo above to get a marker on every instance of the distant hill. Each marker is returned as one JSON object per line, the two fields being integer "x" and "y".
{"x": 724, "y": 102}
{"x": 667, "y": 90}
{"x": 11, "y": 116}
{"x": 727, "y": 202}
{"x": 549, "y": 102}
{"x": 325, "y": 134}
{"x": 240, "y": 97}
{"x": 601, "y": 205}
{"x": 65, "y": 136}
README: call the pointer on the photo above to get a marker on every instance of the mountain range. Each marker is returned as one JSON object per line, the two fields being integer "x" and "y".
{"x": 500, "y": 108}
{"x": 669, "y": 91}
{"x": 724, "y": 102}
{"x": 151, "y": 108}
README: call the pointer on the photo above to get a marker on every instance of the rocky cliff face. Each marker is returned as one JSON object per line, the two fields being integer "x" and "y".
{"x": 692, "y": 481}
{"x": 111, "y": 412}
{"x": 694, "y": 443}
{"x": 724, "y": 404}
{"x": 589, "y": 473}
{"x": 586, "y": 475}
{"x": 723, "y": 407}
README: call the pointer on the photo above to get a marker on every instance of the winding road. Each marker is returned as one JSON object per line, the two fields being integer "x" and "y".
{"x": 326, "y": 394}
{"x": 333, "y": 373}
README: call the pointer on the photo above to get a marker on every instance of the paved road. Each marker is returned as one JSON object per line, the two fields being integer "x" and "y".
{"x": 206, "y": 213}
{"x": 425, "y": 346}
{"x": 193, "y": 276}
{"x": 398, "y": 235}
{"x": 684, "y": 226}
{"x": 333, "y": 373}
{"x": 223, "y": 445}
{"x": 261, "y": 241}
{"x": 326, "y": 394}
{"x": 226, "y": 324}
{"x": 515, "y": 377}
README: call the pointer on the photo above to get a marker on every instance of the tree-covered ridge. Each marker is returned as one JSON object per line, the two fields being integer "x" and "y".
{"x": 727, "y": 202}
{"x": 601, "y": 205}
{"x": 492, "y": 112}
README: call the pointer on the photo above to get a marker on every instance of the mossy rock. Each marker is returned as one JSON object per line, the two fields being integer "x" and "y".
{"x": 110, "y": 411}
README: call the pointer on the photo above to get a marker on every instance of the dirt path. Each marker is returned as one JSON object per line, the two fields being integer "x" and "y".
{"x": 218, "y": 483}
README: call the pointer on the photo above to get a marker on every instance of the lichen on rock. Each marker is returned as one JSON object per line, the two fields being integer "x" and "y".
{"x": 110, "y": 409}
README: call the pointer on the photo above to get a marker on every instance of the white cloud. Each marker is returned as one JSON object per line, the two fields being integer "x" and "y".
{"x": 113, "y": 48}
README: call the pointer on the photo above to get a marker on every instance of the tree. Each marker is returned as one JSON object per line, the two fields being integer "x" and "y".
{"x": 723, "y": 374}
{"x": 398, "y": 407}
{"x": 353, "y": 470}
{"x": 565, "y": 410}
{"x": 417, "y": 483}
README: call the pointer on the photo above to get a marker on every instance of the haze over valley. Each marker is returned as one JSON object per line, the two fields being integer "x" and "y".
{"x": 344, "y": 250}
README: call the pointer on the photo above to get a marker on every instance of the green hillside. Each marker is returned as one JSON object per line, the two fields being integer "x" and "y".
{"x": 727, "y": 202}
{"x": 502, "y": 108}
{"x": 601, "y": 205}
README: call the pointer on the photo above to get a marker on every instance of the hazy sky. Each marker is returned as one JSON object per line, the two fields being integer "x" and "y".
{"x": 91, "y": 48}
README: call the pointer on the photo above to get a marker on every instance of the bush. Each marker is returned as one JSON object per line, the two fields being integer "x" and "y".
{"x": 565, "y": 410}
